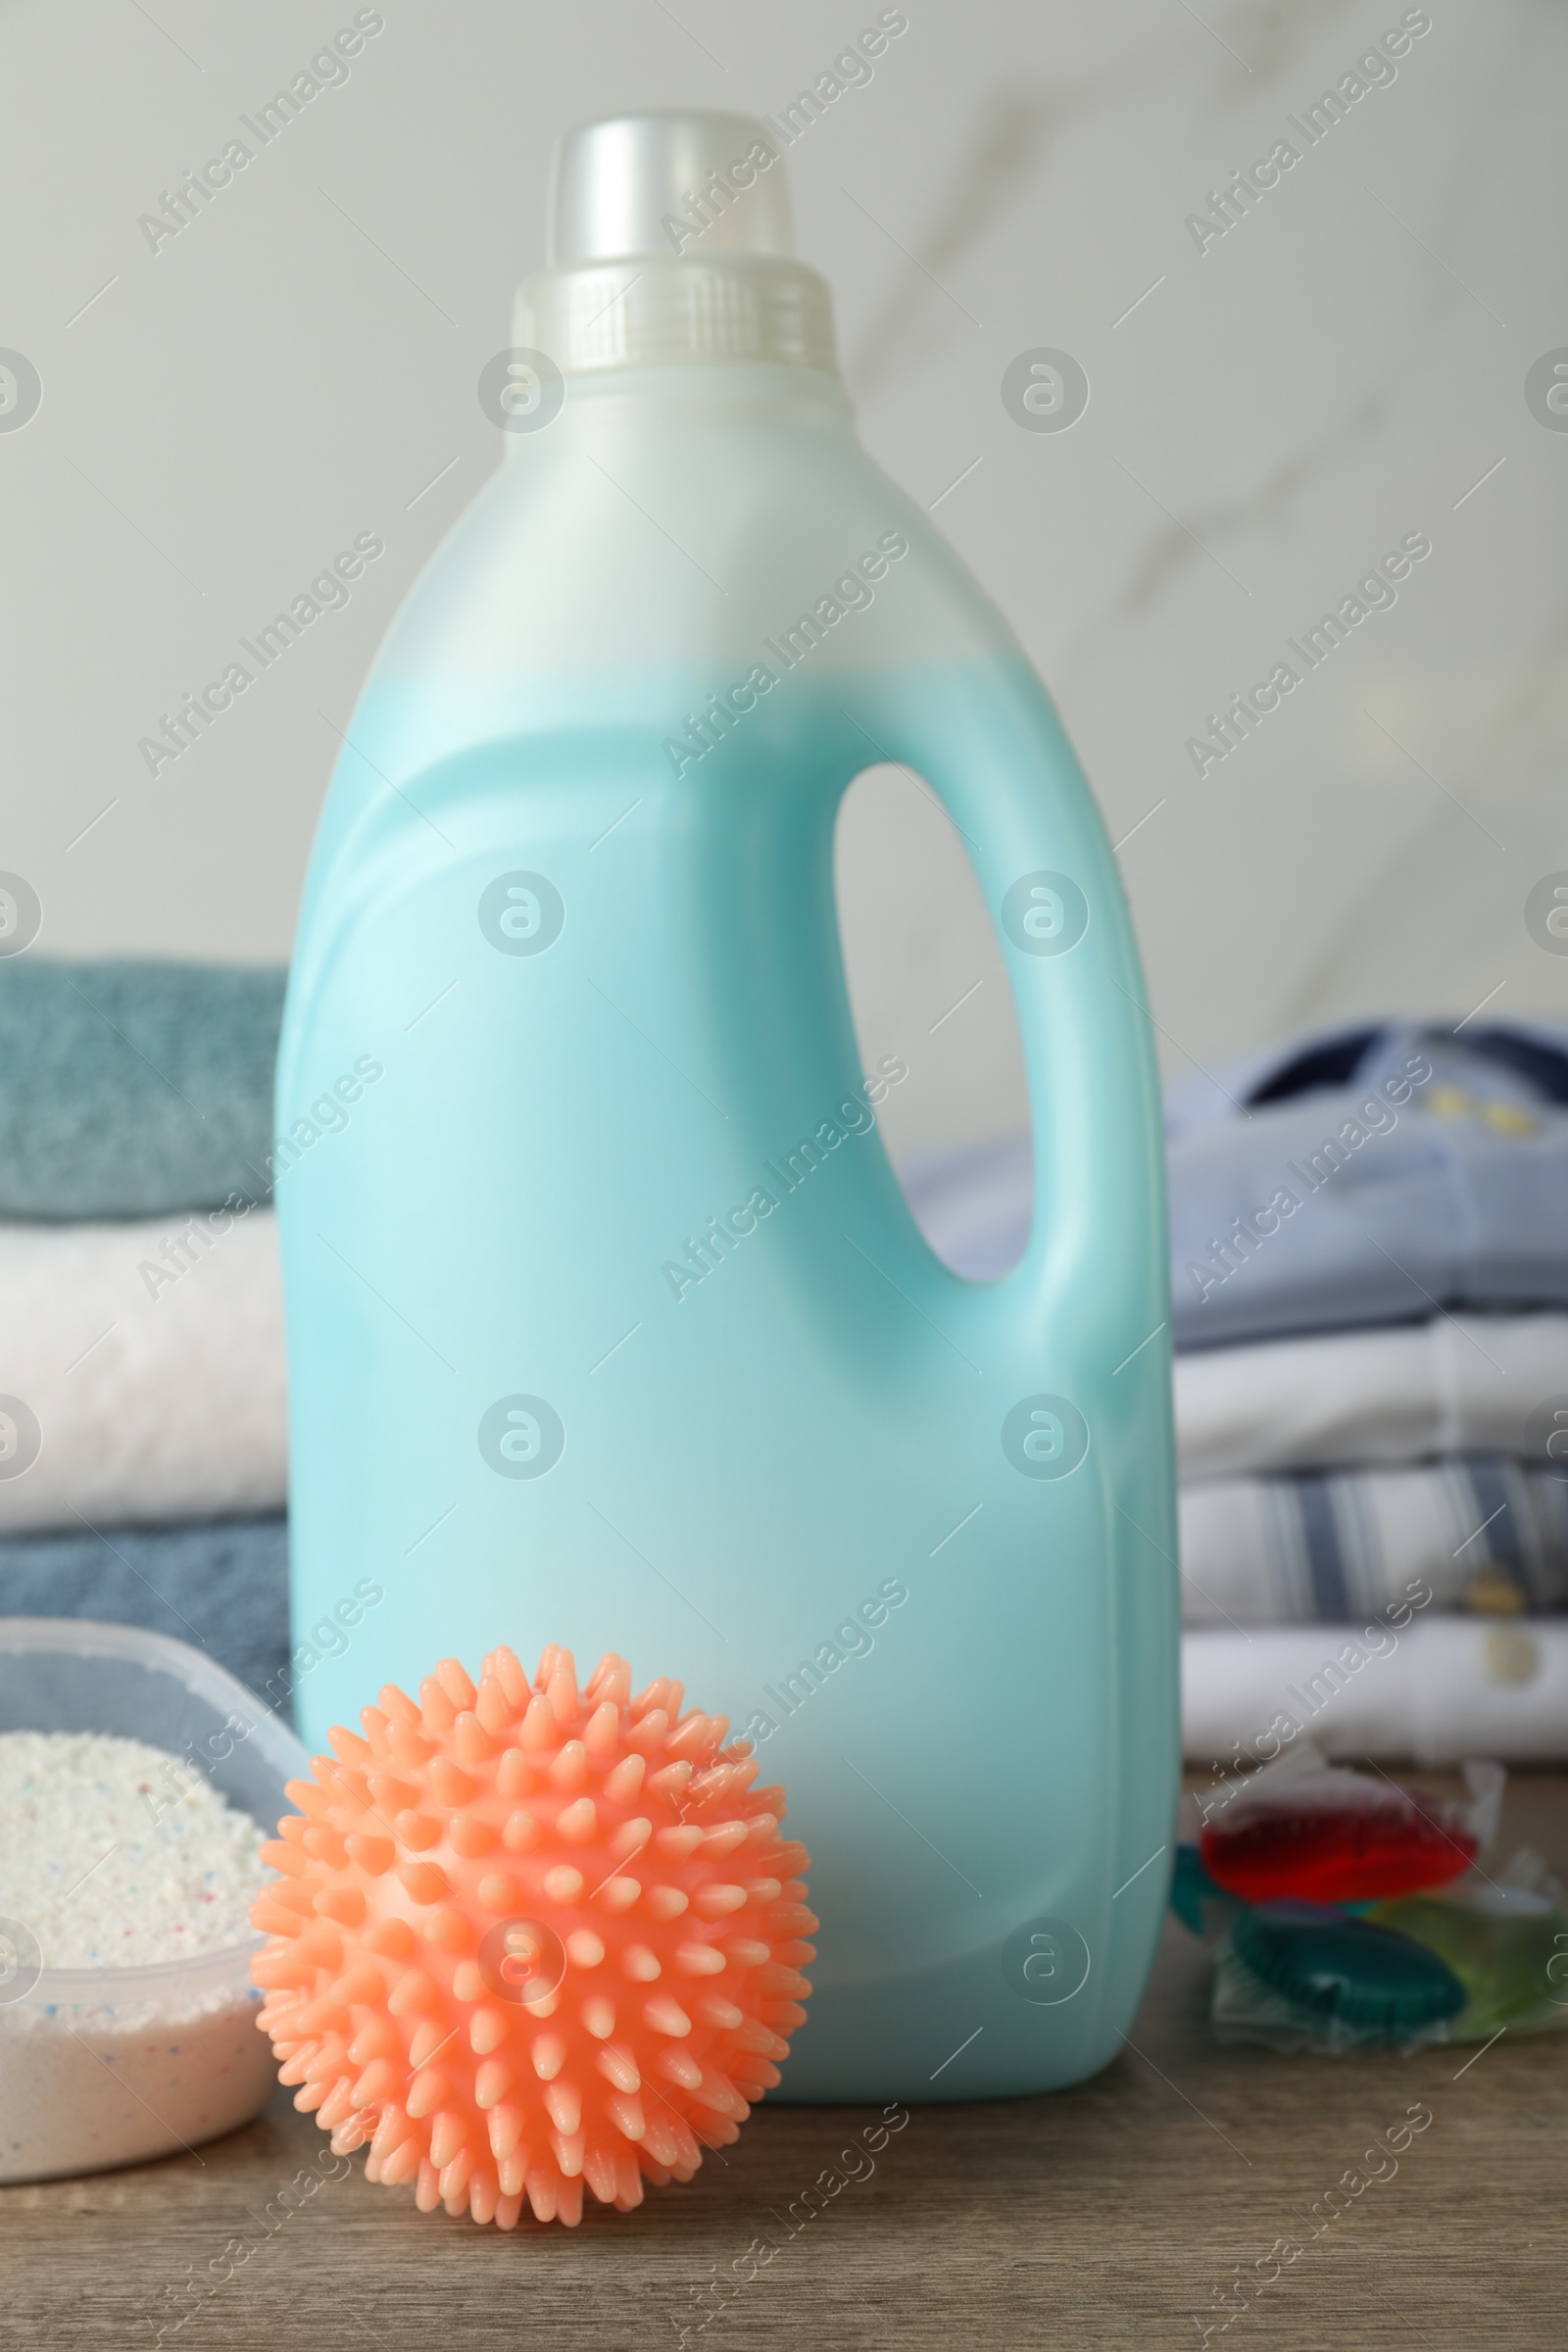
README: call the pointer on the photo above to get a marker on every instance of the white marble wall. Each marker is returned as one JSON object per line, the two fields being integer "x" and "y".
{"x": 1267, "y": 416}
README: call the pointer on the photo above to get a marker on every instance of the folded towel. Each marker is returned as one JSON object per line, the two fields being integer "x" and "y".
{"x": 134, "y": 1089}
{"x": 141, "y": 1371}
{"x": 1459, "y": 1384}
{"x": 1481, "y": 1531}
{"x": 1439, "y": 1691}
{"x": 223, "y": 1588}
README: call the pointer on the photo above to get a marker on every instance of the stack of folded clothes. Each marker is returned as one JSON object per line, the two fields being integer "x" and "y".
{"x": 1369, "y": 1265}
{"x": 1369, "y": 1270}
{"x": 143, "y": 1453}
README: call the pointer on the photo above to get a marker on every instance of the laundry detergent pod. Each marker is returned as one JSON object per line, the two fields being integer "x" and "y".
{"x": 1204, "y": 1908}
{"x": 1331, "y": 1836}
{"x": 1371, "y": 1979}
{"x": 1506, "y": 1943}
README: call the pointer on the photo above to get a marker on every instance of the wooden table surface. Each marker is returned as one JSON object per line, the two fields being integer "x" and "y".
{"x": 1105, "y": 2215}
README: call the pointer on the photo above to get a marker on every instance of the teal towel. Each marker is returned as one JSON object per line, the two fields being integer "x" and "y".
{"x": 134, "y": 1089}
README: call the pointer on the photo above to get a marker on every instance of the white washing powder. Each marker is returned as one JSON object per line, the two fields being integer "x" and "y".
{"x": 116, "y": 1855}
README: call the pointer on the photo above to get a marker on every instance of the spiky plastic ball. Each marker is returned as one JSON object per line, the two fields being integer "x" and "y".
{"x": 525, "y": 1938}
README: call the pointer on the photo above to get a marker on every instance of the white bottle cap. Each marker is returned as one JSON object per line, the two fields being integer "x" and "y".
{"x": 656, "y": 184}
{"x": 670, "y": 242}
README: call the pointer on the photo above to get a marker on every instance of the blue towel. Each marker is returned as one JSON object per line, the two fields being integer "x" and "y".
{"x": 134, "y": 1089}
{"x": 221, "y": 1586}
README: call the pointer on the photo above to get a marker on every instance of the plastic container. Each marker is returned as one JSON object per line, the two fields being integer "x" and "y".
{"x": 606, "y": 1318}
{"x": 109, "y": 2066}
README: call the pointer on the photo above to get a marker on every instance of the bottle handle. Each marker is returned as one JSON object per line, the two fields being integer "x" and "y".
{"x": 990, "y": 745}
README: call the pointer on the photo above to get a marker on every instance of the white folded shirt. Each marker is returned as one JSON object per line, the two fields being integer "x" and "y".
{"x": 1436, "y": 1691}
{"x": 1476, "y": 1530}
{"x": 157, "y": 1386}
{"x": 1461, "y": 1384}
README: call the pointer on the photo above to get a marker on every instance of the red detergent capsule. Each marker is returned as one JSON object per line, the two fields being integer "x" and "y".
{"x": 1334, "y": 1837}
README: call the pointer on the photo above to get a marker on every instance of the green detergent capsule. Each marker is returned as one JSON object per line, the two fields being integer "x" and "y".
{"x": 1331, "y": 1966}
{"x": 1508, "y": 1945}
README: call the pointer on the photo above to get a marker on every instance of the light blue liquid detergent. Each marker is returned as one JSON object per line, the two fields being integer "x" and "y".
{"x": 608, "y": 1323}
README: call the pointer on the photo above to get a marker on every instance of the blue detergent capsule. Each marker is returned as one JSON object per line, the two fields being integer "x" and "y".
{"x": 1332, "y": 1966}
{"x": 1197, "y": 1899}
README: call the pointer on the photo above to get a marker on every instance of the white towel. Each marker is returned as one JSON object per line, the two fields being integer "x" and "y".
{"x": 1461, "y": 1384}
{"x": 1441, "y": 1689}
{"x": 147, "y": 1361}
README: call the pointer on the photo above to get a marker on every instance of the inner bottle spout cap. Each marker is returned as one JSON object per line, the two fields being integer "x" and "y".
{"x": 666, "y": 185}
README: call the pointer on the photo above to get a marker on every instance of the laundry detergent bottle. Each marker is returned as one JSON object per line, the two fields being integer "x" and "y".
{"x": 608, "y": 1323}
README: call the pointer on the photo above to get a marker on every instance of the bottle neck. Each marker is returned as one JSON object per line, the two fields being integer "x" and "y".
{"x": 651, "y": 311}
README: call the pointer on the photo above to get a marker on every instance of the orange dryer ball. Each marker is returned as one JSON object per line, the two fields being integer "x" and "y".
{"x": 528, "y": 1936}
